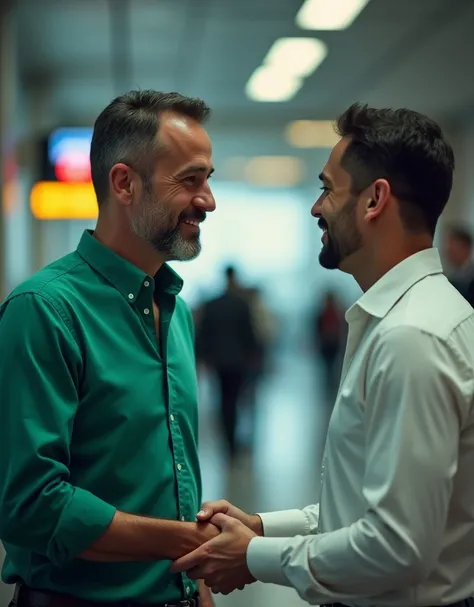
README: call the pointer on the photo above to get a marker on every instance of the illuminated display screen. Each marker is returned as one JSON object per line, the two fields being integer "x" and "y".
{"x": 65, "y": 155}
{"x": 64, "y": 187}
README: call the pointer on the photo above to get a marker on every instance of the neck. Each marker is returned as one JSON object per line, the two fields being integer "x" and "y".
{"x": 375, "y": 263}
{"x": 118, "y": 237}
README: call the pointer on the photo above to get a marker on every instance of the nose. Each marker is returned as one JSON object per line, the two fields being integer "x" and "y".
{"x": 316, "y": 209}
{"x": 205, "y": 201}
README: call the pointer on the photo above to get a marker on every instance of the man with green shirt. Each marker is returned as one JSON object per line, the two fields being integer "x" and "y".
{"x": 99, "y": 471}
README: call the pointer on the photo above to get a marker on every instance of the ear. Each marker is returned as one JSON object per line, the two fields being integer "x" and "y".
{"x": 122, "y": 184}
{"x": 378, "y": 196}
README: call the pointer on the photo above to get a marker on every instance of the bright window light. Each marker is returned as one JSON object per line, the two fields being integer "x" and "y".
{"x": 268, "y": 83}
{"x": 329, "y": 14}
{"x": 311, "y": 134}
{"x": 297, "y": 56}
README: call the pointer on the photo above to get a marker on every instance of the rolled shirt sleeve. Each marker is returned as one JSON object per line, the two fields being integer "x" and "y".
{"x": 40, "y": 370}
{"x": 416, "y": 391}
{"x": 288, "y": 523}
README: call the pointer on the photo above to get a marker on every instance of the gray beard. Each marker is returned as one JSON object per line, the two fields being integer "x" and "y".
{"x": 174, "y": 247}
{"x": 149, "y": 225}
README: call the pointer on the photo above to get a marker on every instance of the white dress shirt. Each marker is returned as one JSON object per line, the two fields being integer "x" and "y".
{"x": 395, "y": 523}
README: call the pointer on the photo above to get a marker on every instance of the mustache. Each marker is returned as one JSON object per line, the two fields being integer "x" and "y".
{"x": 195, "y": 215}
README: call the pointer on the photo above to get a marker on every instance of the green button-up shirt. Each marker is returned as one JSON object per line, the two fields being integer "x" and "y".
{"x": 95, "y": 416}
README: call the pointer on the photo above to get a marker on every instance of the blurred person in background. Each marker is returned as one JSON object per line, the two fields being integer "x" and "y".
{"x": 265, "y": 329}
{"x": 329, "y": 332}
{"x": 99, "y": 471}
{"x": 226, "y": 343}
{"x": 394, "y": 526}
{"x": 458, "y": 251}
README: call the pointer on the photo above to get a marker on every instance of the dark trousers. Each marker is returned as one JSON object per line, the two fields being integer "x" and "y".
{"x": 231, "y": 383}
{"x": 28, "y": 597}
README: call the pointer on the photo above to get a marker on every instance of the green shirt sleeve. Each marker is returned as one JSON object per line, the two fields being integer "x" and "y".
{"x": 40, "y": 371}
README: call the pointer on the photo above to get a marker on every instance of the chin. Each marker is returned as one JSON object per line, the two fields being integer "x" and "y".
{"x": 328, "y": 260}
{"x": 188, "y": 252}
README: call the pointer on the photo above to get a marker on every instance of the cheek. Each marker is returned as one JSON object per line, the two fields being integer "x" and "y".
{"x": 179, "y": 198}
{"x": 332, "y": 204}
{"x": 330, "y": 209}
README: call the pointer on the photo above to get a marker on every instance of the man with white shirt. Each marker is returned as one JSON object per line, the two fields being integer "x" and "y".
{"x": 394, "y": 526}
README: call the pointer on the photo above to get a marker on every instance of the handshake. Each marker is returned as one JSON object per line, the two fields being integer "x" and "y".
{"x": 221, "y": 561}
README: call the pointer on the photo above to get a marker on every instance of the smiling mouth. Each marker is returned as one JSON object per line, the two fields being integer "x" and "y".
{"x": 191, "y": 222}
{"x": 324, "y": 229}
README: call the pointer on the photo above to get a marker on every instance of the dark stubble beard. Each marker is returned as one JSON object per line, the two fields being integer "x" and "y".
{"x": 154, "y": 223}
{"x": 343, "y": 237}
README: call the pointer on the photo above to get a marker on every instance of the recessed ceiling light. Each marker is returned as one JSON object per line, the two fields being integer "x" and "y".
{"x": 329, "y": 14}
{"x": 268, "y": 83}
{"x": 297, "y": 56}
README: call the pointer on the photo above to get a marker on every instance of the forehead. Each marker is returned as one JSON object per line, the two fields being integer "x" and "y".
{"x": 333, "y": 169}
{"x": 183, "y": 139}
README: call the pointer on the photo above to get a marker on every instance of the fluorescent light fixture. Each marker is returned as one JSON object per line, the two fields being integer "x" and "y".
{"x": 311, "y": 134}
{"x": 296, "y": 56}
{"x": 268, "y": 83}
{"x": 329, "y": 14}
{"x": 275, "y": 171}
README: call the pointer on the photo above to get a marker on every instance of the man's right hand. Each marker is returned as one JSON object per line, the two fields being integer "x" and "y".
{"x": 209, "y": 509}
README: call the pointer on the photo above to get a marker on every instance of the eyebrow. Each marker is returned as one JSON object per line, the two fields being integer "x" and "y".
{"x": 197, "y": 168}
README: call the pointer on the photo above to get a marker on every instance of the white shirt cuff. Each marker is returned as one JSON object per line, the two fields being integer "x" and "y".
{"x": 264, "y": 560}
{"x": 285, "y": 523}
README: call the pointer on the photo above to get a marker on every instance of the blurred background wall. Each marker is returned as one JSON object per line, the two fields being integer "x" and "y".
{"x": 276, "y": 75}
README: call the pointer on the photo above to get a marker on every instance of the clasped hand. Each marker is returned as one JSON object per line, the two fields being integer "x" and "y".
{"x": 222, "y": 561}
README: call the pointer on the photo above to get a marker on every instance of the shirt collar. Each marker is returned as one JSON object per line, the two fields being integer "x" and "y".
{"x": 123, "y": 275}
{"x": 389, "y": 289}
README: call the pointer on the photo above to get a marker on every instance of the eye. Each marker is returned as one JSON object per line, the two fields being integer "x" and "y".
{"x": 193, "y": 180}
{"x": 324, "y": 188}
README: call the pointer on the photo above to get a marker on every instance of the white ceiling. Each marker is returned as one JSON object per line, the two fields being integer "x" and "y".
{"x": 418, "y": 53}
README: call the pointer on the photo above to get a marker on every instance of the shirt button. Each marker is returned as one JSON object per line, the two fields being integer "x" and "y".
{"x": 130, "y": 296}
{"x": 146, "y": 311}
{"x": 188, "y": 590}
{"x": 172, "y": 417}
{"x": 179, "y": 466}
{"x": 146, "y": 283}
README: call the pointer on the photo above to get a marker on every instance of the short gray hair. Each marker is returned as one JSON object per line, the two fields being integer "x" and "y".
{"x": 126, "y": 130}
